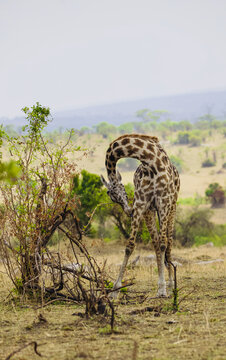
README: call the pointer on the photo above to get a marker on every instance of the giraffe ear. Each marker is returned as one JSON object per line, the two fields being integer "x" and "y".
{"x": 104, "y": 182}
{"x": 119, "y": 178}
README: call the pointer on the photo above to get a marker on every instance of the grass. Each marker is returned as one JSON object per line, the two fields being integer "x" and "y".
{"x": 192, "y": 201}
{"x": 197, "y": 331}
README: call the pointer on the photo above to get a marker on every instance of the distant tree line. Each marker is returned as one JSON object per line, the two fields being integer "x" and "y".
{"x": 158, "y": 121}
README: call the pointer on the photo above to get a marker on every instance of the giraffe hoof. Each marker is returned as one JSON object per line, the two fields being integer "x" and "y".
{"x": 170, "y": 286}
{"x": 114, "y": 295}
{"x": 116, "y": 289}
{"x": 162, "y": 295}
{"x": 161, "y": 289}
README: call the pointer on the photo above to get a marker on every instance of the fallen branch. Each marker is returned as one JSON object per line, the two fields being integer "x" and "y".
{"x": 119, "y": 288}
{"x": 23, "y": 347}
{"x": 185, "y": 296}
{"x": 57, "y": 299}
{"x": 146, "y": 309}
{"x": 70, "y": 270}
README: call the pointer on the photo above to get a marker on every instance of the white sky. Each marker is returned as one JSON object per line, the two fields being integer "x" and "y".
{"x": 73, "y": 53}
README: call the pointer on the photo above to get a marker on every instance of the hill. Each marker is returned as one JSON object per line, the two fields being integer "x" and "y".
{"x": 180, "y": 107}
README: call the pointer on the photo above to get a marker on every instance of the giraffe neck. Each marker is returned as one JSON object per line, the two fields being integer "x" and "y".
{"x": 144, "y": 148}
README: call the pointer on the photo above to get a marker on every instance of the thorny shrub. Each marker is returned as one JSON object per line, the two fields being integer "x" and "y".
{"x": 38, "y": 203}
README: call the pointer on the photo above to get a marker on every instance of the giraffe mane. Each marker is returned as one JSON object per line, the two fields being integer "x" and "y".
{"x": 140, "y": 136}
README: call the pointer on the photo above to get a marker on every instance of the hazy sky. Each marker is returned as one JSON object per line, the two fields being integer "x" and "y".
{"x": 73, "y": 53}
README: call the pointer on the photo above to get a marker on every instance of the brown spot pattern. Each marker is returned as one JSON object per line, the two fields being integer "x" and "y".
{"x": 139, "y": 143}
{"x": 125, "y": 141}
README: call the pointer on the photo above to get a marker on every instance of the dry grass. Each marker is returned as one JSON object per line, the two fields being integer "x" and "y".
{"x": 197, "y": 331}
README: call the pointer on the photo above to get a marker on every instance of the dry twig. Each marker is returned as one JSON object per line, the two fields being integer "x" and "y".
{"x": 23, "y": 347}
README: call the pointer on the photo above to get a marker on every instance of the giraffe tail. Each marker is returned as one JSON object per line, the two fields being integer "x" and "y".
{"x": 166, "y": 261}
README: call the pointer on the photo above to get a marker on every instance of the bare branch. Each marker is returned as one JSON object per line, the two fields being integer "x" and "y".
{"x": 23, "y": 347}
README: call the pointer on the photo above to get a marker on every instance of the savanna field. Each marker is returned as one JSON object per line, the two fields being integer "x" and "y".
{"x": 145, "y": 327}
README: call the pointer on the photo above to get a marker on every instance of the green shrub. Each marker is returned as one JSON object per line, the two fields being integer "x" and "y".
{"x": 191, "y": 223}
{"x": 88, "y": 187}
{"x": 216, "y": 194}
{"x": 195, "y": 140}
{"x": 215, "y": 239}
{"x": 183, "y": 138}
{"x": 208, "y": 163}
{"x": 128, "y": 164}
{"x": 192, "y": 201}
{"x": 192, "y": 138}
{"x": 176, "y": 161}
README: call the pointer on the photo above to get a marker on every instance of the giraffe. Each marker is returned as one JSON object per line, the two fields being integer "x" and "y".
{"x": 156, "y": 187}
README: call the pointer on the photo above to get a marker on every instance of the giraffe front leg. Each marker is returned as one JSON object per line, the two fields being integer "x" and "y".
{"x": 128, "y": 251}
{"x": 118, "y": 283}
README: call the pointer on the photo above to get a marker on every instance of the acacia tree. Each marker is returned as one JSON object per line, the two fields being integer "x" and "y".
{"x": 39, "y": 200}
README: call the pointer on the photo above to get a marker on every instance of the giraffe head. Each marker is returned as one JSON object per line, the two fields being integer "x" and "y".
{"x": 117, "y": 193}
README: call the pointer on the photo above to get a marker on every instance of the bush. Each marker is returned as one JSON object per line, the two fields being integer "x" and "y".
{"x": 38, "y": 202}
{"x": 208, "y": 163}
{"x": 128, "y": 164}
{"x": 192, "y": 223}
{"x": 215, "y": 239}
{"x": 183, "y": 138}
{"x": 216, "y": 194}
{"x": 88, "y": 187}
{"x": 192, "y": 138}
{"x": 192, "y": 201}
{"x": 195, "y": 140}
{"x": 176, "y": 161}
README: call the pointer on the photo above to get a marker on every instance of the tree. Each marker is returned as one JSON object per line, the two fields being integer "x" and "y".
{"x": 38, "y": 202}
{"x": 105, "y": 129}
{"x": 147, "y": 115}
{"x": 126, "y": 128}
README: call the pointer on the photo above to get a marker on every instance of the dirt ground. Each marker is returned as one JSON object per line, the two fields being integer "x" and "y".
{"x": 145, "y": 327}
